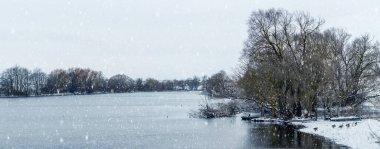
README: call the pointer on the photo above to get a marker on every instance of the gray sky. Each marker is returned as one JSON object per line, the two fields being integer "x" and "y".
{"x": 163, "y": 39}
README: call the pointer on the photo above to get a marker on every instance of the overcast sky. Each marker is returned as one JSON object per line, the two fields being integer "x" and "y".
{"x": 164, "y": 39}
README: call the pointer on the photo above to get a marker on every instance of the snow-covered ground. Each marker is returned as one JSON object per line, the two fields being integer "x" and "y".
{"x": 363, "y": 135}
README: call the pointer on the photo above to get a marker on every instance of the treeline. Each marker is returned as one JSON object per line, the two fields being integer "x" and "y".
{"x": 19, "y": 81}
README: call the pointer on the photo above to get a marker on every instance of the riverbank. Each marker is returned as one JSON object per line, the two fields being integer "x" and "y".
{"x": 95, "y": 93}
{"x": 362, "y": 134}
{"x": 60, "y": 94}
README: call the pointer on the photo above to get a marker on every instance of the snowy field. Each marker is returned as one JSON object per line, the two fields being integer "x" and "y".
{"x": 355, "y": 134}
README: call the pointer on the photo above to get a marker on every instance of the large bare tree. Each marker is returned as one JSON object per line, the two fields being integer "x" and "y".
{"x": 289, "y": 61}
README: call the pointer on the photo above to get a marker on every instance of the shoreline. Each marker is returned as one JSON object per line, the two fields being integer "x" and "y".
{"x": 73, "y": 94}
{"x": 354, "y": 134}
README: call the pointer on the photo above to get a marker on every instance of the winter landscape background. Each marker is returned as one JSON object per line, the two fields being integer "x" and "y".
{"x": 189, "y": 74}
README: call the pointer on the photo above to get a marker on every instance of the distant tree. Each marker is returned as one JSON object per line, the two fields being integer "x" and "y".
{"x": 78, "y": 79}
{"x": 218, "y": 85}
{"x": 176, "y": 84}
{"x": 15, "y": 81}
{"x": 58, "y": 81}
{"x": 181, "y": 84}
{"x": 192, "y": 83}
{"x": 204, "y": 83}
{"x": 167, "y": 85}
{"x": 139, "y": 86}
{"x": 120, "y": 83}
{"x": 95, "y": 82}
{"x": 152, "y": 85}
{"x": 195, "y": 83}
{"x": 38, "y": 80}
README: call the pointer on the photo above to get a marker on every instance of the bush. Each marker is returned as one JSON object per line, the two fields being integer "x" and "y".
{"x": 216, "y": 110}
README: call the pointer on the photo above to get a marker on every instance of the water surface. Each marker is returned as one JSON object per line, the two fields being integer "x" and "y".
{"x": 157, "y": 120}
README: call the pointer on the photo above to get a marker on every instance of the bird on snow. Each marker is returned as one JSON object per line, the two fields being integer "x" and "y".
{"x": 341, "y": 126}
{"x": 315, "y": 128}
{"x": 348, "y": 125}
{"x": 333, "y": 126}
{"x": 356, "y": 123}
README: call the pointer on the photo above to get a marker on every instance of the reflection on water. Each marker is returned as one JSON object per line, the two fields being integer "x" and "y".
{"x": 280, "y": 136}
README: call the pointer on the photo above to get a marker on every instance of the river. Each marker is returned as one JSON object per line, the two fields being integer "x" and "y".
{"x": 156, "y": 120}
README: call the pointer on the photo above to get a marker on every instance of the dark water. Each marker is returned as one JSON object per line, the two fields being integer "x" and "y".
{"x": 280, "y": 136}
{"x": 135, "y": 120}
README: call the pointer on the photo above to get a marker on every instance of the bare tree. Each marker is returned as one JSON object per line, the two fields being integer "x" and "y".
{"x": 58, "y": 81}
{"x": 289, "y": 61}
{"x": 38, "y": 80}
{"x": 120, "y": 83}
{"x": 15, "y": 81}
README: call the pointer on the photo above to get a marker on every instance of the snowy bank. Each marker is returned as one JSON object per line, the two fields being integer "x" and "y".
{"x": 355, "y": 134}
{"x": 350, "y": 118}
